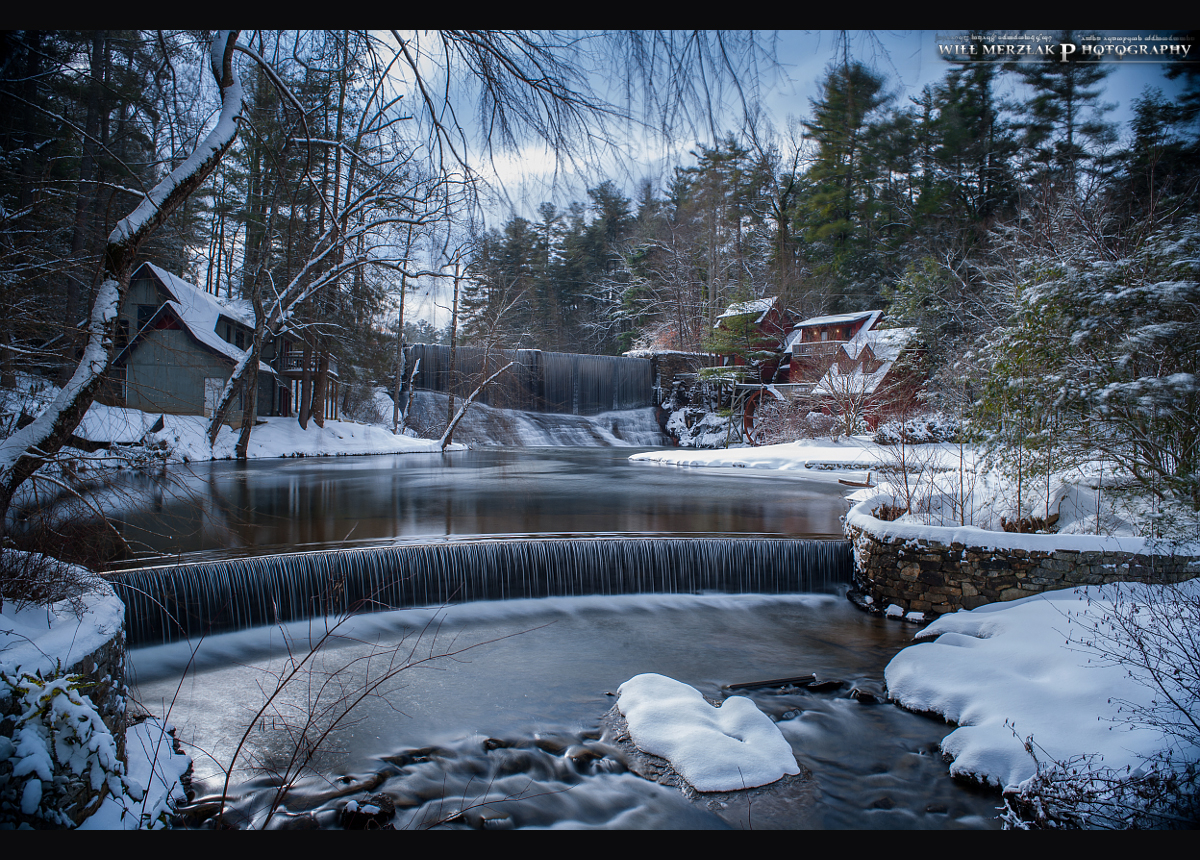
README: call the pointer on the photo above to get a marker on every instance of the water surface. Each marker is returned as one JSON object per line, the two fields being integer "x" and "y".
{"x": 499, "y": 726}
{"x": 209, "y": 510}
{"x": 508, "y": 729}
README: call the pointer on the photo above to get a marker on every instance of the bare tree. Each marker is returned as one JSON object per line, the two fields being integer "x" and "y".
{"x": 27, "y": 450}
{"x": 524, "y": 84}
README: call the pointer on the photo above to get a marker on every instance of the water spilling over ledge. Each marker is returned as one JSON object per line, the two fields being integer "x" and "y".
{"x": 536, "y": 381}
{"x": 189, "y": 601}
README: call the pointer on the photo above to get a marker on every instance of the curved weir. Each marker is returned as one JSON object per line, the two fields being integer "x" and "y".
{"x": 193, "y": 600}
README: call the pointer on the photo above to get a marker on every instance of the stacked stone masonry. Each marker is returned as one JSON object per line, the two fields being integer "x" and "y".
{"x": 933, "y": 578}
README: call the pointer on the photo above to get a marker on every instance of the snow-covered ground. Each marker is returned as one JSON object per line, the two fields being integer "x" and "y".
{"x": 946, "y": 483}
{"x": 846, "y": 454}
{"x": 1037, "y": 668}
{"x": 35, "y": 641}
{"x": 185, "y": 439}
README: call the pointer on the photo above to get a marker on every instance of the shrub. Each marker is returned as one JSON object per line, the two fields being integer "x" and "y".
{"x": 919, "y": 431}
{"x": 58, "y": 755}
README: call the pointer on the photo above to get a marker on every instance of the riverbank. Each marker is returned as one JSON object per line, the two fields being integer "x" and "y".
{"x": 1058, "y": 697}
{"x": 846, "y": 454}
{"x": 1079, "y": 704}
{"x": 147, "y": 438}
{"x": 183, "y": 438}
{"x": 60, "y": 761}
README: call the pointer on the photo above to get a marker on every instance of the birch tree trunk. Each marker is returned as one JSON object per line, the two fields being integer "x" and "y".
{"x": 27, "y": 450}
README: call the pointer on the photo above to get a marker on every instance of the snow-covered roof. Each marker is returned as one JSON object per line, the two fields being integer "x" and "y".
{"x": 207, "y": 335}
{"x": 199, "y": 308}
{"x": 886, "y": 345}
{"x": 837, "y": 319}
{"x": 200, "y": 312}
{"x": 759, "y": 307}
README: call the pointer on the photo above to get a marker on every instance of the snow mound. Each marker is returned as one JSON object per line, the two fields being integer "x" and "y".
{"x": 1006, "y": 671}
{"x": 729, "y": 748}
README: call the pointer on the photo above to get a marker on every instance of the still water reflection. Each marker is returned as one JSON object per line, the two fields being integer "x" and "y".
{"x": 266, "y": 506}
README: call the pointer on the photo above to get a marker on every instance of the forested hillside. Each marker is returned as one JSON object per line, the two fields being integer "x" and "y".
{"x": 344, "y": 176}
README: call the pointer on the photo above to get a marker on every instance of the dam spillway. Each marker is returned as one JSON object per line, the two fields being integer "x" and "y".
{"x": 537, "y": 381}
{"x": 189, "y": 601}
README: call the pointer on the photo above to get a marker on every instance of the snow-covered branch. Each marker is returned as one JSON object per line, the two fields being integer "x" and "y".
{"x": 444, "y": 442}
{"x": 28, "y": 449}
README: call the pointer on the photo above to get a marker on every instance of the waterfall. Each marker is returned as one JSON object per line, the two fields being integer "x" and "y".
{"x": 188, "y": 601}
{"x": 538, "y": 381}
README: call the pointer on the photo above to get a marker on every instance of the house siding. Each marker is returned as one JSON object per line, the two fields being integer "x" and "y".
{"x": 167, "y": 372}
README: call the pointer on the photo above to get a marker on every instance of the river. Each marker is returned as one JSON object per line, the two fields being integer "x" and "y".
{"x": 498, "y": 715}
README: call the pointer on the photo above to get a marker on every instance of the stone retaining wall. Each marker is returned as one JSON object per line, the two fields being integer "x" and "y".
{"x": 943, "y": 569}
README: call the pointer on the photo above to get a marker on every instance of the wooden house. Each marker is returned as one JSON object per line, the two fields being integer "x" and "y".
{"x": 177, "y": 346}
{"x": 753, "y": 333}
{"x": 814, "y": 344}
{"x": 846, "y": 362}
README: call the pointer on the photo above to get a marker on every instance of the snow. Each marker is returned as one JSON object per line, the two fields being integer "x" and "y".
{"x": 758, "y": 307}
{"x": 92, "y": 363}
{"x": 836, "y": 319}
{"x": 186, "y": 441}
{"x": 1007, "y": 671}
{"x": 199, "y": 307}
{"x": 846, "y": 454}
{"x": 38, "y": 640}
{"x": 156, "y": 769}
{"x": 887, "y": 343}
{"x": 217, "y": 141}
{"x": 972, "y": 536}
{"x": 728, "y": 748}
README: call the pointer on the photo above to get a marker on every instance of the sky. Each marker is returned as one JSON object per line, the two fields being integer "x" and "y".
{"x": 910, "y": 60}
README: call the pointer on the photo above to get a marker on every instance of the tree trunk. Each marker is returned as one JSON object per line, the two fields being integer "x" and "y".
{"x": 77, "y": 286}
{"x": 304, "y": 410}
{"x": 320, "y": 385}
{"x": 27, "y": 450}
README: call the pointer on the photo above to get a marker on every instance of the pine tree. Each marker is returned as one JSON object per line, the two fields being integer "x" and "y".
{"x": 840, "y": 198}
{"x": 1064, "y": 132}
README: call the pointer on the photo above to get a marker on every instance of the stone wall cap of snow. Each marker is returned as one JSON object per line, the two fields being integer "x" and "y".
{"x": 860, "y": 517}
{"x": 41, "y": 638}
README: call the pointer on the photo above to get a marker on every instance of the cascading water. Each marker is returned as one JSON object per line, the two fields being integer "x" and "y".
{"x": 189, "y": 601}
{"x": 511, "y": 725}
{"x": 537, "y": 381}
{"x": 490, "y": 426}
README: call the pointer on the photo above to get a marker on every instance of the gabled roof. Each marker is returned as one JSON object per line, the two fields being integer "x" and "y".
{"x": 198, "y": 314}
{"x": 758, "y": 307}
{"x": 886, "y": 346}
{"x": 200, "y": 309}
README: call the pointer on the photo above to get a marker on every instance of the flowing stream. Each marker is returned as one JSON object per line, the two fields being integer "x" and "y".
{"x": 489, "y": 714}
